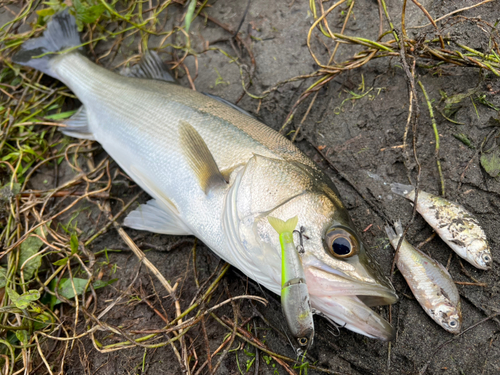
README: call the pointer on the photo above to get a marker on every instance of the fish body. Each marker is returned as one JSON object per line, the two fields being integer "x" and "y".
{"x": 294, "y": 294}
{"x": 456, "y": 226}
{"x": 429, "y": 281}
{"x": 217, "y": 173}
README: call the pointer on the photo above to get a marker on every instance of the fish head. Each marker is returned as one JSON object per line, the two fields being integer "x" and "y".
{"x": 449, "y": 317}
{"x": 343, "y": 280}
{"x": 480, "y": 253}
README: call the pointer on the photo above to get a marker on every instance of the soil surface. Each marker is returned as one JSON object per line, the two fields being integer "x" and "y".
{"x": 359, "y": 136}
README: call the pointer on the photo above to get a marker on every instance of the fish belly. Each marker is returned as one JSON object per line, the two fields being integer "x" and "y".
{"x": 137, "y": 122}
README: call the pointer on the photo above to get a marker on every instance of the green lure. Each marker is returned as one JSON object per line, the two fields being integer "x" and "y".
{"x": 294, "y": 295}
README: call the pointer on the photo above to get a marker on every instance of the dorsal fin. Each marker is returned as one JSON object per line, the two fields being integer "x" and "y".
{"x": 199, "y": 157}
{"x": 227, "y": 102}
{"x": 151, "y": 66}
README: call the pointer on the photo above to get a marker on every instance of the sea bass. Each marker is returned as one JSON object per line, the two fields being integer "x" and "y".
{"x": 456, "y": 226}
{"x": 429, "y": 281}
{"x": 217, "y": 173}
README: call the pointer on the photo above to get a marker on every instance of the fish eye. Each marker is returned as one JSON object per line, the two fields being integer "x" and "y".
{"x": 486, "y": 258}
{"x": 302, "y": 341}
{"x": 453, "y": 323}
{"x": 341, "y": 242}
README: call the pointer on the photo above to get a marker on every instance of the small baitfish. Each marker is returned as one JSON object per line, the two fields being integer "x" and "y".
{"x": 294, "y": 295}
{"x": 217, "y": 173}
{"x": 429, "y": 281}
{"x": 456, "y": 226}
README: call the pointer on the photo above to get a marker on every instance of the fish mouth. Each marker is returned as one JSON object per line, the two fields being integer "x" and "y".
{"x": 330, "y": 283}
{"x": 345, "y": 296}
{"x": 352, "y": 313}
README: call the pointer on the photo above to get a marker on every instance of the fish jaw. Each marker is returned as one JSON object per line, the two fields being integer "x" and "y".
{"x": 324, "y": 281}
{"x": 358, "y": 275}
{"x": 350, "y": 312}
{"x": 346, "y": 299}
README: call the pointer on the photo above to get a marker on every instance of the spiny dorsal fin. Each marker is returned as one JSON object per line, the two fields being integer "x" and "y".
{"x": 281, "y": 226}
{"x": 150, "y": 66}
{"x": 199, "y": 157}
{"x": 227, "y": 102}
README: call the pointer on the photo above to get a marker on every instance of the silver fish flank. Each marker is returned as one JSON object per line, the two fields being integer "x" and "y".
{"x": 429, "y": 281}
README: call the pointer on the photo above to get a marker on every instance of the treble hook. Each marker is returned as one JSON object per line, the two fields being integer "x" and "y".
{"x": 300, "y": 248}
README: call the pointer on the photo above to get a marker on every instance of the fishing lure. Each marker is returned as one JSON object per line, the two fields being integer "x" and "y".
{"x": 294, "y": 295}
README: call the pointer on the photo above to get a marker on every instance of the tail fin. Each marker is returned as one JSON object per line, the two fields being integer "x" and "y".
{"x": 390, "y": 233}
{"x": 399, "y": 228}
{"x": 281, "y": 226}
{"x": 394, "y": 236}
{"x": 61, "y": 33}
{"x": 403, "y": 190}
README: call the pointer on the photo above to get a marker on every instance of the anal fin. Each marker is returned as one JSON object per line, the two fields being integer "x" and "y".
{"x": 199, "y": 158}
{"x": 77, "y": 126}
{"x": 154, "y": 218}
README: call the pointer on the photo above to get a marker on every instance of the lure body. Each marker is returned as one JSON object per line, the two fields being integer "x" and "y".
{"x": 294, "y": 294}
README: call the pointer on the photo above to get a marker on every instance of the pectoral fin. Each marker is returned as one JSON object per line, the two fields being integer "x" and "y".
{"x": 199, "y": 158}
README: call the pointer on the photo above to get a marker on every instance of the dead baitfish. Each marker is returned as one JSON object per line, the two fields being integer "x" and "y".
{"x": 215, "y": 172}
{"x": 429, "y": 281}
{"x": 456, "y": 226}
{"x": 294, "y": 294}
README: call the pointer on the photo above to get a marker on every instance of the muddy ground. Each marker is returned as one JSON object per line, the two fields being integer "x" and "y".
{"x": 363, "y": 135}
